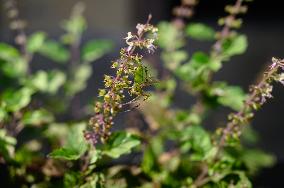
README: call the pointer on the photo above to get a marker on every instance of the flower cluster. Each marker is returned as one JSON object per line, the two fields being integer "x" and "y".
{"x": 229, "y": 22}
{"x": 258, "y": 96}
{"x": 16, "y": 24}
{"x": 185, "y": 10}
{"x": 131, "y": 77}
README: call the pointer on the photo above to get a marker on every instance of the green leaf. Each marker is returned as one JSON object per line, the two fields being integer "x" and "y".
{"x": 79, "y": 80}
{"x": 54, "y": 51}
{"x": 75, "y": 138}
{"x": 55, "y": 79}
{"x": 199, "y": 58}
{"x": 14, "y": 100}
{"x": 244, "y": 181}
{"x": 75, "y": 145}
{"x": 230, "y": 96}
{"x": 13, "y": 64}
{"x": 174, "y": 59}
{"x": 95, "y": 154}
{"x": 3, "y": 114}
{"x": 120, "y": 143}
{"x": 16, "y": 68}
{"x": 76, "y": 25}
{"x": 96, "y": 180}
{"x": 149, "y": 160}
{"x": 234, "y": 179}
{"x": 169, "y": 36}
{"x": 169, "y": 85}
{"x": 95, "y": 49}
{"x": 38, "y": 81}
{"x": 214, "y": 64}
{"x": 49, "y": 82}
{"x": 257, "y": 159}
{"x": 250, "y": 136}
{"x": 197, "y": 139}
{"x": 233, "y": 97}
{"x": 196, "y": 71}
{"x": 200, "y": 31}
{"x": 7, "y": 145}
{"x": 235, "y": 46}
{"x": 72, "y": 179}
{"x": 8, "y": 53}
{"x": 140, "y": 74}
{"x": 65, "y": 153}
{"x": 35, "y": 41}
{"x": 37, "y": 117}
{"x": 56, "y": 131}
{"x": 194, "y": 68}
{"x": 151, "y": 154}
{"x": 25, "y": 156}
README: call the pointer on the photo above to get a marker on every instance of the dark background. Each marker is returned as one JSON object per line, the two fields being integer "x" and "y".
{"x": 264, "y": 26}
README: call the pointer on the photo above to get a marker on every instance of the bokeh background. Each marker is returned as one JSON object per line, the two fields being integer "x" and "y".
{"x": 264, "y": 26}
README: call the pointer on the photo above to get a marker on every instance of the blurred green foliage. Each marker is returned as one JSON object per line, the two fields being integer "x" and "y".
{"x": 168, "y": 149}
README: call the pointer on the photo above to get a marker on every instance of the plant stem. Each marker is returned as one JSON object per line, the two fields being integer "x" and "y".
{"x": 75, "y": 59}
